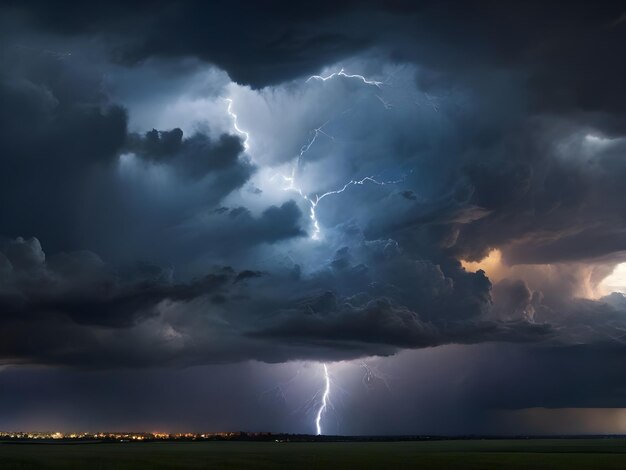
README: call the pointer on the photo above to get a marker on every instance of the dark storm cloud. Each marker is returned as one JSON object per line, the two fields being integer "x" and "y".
{"x": 518, "y": 148}
{"x": 72, "y": 308}
{"x": 567, "y": 51}
{"x": 563, "y": 66}
{"x": 393, "y": 302}
{"x": 60, "y": 177}
{"x": 82, "y": 287}
{"x": 551, "y": 204}
{"x": 256, "y": 43}
{"x": 78, "y": 310}
{"x": 497, "y": 125}
{"x": 236, "y": 229}
{"x": 193, "y": 157}
{"x": 352, "y": 324}
{"x": 513, "y": 299}
{"x": 54, "y": 127}
{"x": 247, "y": 274}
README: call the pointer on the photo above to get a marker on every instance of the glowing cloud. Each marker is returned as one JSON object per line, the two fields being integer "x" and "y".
{"x": 491, "y": 264}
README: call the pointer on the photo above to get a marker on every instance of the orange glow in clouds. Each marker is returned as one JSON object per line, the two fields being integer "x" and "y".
{"x": 587, "y": 280}
{"x": 491, "y": 264}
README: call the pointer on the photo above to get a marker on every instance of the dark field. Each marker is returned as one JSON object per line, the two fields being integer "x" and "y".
{"x": 457, "y": 454}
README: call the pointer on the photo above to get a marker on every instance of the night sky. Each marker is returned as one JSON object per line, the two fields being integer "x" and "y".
{"x": 202, "y": 203}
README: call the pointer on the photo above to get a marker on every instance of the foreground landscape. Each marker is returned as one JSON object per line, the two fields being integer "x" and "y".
{"x": 609, "y": 453}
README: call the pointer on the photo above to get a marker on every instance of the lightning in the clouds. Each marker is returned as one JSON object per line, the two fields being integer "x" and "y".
{"x": 372, "y": 377}
{"x": 291, "y": 180}
{"x": 313, "y": 201}
{"x": 233, "y": 116}
{"x": 324, "y": 403}
{"x": 342, "y": 73}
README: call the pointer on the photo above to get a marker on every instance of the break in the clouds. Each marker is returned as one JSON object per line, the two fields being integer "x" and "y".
{"x": 189, "y": 184}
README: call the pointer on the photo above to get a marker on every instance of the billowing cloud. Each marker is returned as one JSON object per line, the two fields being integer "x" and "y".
{"x": 194, "y": 183}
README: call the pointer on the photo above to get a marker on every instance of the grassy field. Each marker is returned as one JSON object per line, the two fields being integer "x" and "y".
{"x": 476, "y": 454}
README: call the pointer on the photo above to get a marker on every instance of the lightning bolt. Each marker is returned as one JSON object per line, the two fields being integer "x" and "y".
{"x": 324, "y": 404}
{"x": 314, "y": 201}
{"x": 342, "y": 73}
{"x": 371, "y": 376}
{"x": 233, "y": 116}
{"x": 291, "y": 180}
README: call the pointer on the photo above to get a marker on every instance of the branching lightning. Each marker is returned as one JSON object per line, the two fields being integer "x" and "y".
{"x": 291, "y": 180}
{"x": 324, "y": 403}
{"x": 342, "y": 73}
{"x": 372, "y": 377}
{"x": 313, "y": 201}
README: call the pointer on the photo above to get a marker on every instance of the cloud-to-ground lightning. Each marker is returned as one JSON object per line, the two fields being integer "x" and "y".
{"x": 324, "y": 403}
{"x": 313, "y": 201}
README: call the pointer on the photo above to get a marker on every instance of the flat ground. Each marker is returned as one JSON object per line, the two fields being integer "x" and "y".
{"x": 471, "y": 454}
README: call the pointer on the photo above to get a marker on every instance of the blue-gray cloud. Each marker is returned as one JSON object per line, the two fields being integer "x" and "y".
{"x": 162, "y": 227}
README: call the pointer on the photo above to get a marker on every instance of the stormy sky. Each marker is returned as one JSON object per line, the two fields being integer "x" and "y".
{"x": 201, "y": 203}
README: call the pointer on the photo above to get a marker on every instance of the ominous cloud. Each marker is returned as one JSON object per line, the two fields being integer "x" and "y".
{"x": 187, "y": 183}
